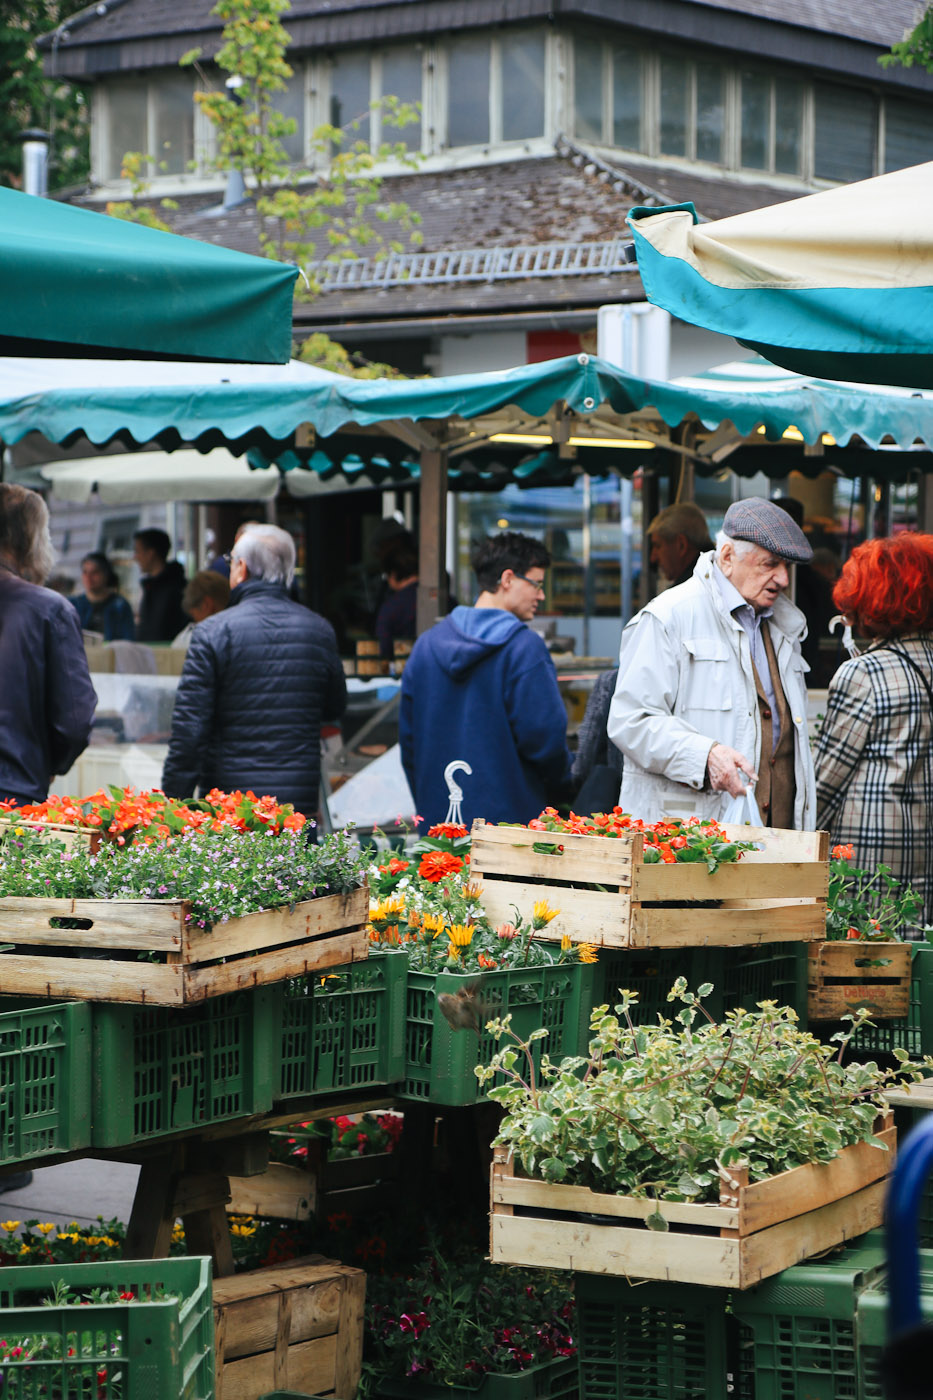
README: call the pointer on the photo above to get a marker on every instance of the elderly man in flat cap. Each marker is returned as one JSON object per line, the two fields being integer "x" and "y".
{"x": 711, "y": 689}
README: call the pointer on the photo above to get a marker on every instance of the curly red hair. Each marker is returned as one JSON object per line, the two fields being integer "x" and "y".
{"x": 887, "y": 585}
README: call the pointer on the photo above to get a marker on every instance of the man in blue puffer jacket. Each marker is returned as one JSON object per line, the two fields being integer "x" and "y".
{"x": 483, "y": 729}
{"x": 257, "y": 681}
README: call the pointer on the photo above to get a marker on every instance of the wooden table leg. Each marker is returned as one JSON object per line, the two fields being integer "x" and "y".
{"x": 152, "y": 1218}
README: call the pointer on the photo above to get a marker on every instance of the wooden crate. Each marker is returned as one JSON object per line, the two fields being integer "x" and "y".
{"x": 296, "y": 1326}
{"x": 756, "y": 1231}
{"x": 288, "y": 1191}
{"x": 844, "y": 975}
{"x": 608, "y": 896}
{"x": 70, "y": 836}
{"x": 256, "y": 949}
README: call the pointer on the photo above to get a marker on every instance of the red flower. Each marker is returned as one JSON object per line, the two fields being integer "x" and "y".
{"x": 449, "y": 829}
{"x": 843, "y": 852}
{"x": 437, "y": 865}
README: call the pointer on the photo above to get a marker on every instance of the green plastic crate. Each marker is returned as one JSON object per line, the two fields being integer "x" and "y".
{"x": 797, "y": 1329}
{"x": 872, "y": 1326}
{"x": 651, "y": 972}
{"x": 439, "y": 1061}
{"x": 344, "y": 1029}
{"x": 767, "y": 972}
{"x": 651, "y": 1341}
{"x": 122, "y": 1351}
{"x": 553, "y": 1380}
{"x": 45, "y": 1078}
{"x": 914, "y": 1033}
{"x": 162, "y": 1070}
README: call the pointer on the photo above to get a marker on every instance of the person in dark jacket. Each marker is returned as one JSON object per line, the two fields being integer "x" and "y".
{"x": 482, "y": 726}
{"x": 102, "y": 607}
{"x": 257, "y": 681}
{"x": 161, "y": 615}
{"x": 47, "y": 701}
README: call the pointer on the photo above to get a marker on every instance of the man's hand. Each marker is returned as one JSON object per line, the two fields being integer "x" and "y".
{"x": 725, "y": 767}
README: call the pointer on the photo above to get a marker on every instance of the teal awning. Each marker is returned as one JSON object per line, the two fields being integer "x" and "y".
{"x": 747, "y": 417}
{"x": 76, "y": 282}
{"x": 837, "y": 284}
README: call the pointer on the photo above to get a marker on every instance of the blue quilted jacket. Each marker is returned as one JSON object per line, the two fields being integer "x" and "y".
{"x": 257, "y": 681}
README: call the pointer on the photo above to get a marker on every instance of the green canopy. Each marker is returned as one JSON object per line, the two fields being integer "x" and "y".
{"x": 76, "y": 282}
{"x": 535, "y": 418}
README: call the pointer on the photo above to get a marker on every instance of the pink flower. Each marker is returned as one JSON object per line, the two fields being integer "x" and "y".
{"x": 507, "y": 931}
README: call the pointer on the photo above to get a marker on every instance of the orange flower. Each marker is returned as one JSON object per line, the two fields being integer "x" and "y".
{"x": 438, "y": 865}
{"x": 449, "y": 829}
{"x": 483, "y": 961}
{"x": 843, "y": 852}
{"x": 853, "y": 933}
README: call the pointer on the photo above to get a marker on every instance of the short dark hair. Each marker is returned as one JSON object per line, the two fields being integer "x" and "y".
{"x": 154, "y": 539}
{"x": 400, "y": 560}
{"x": 510, "y": 550}
{"x": 97, "y": 557}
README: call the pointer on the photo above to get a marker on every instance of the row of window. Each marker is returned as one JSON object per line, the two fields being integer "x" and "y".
{"x": 482, "y": 90}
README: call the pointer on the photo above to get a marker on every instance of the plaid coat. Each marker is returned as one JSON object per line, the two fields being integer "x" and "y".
{"x": 874, "y": 762}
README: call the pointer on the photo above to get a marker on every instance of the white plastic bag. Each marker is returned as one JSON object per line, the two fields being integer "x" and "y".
{"x": 743, "y": 809}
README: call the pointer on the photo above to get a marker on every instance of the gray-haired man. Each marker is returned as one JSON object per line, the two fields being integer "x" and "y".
{"x": 711, "y": 685}
{"x": 257, "y": 681}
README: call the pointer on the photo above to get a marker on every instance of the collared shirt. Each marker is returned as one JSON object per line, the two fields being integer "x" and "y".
{"x": 751, "y": 621}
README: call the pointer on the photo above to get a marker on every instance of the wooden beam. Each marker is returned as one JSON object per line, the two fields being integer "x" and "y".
{"x": 432, "y": 539}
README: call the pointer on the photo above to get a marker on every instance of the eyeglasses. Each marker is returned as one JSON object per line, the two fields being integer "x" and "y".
{"x": 537, "y": 584}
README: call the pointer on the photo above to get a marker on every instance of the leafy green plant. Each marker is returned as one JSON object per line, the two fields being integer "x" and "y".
{"x": 664, "y": 1111}
{"x": 870, "y": 905}
{"x": 455, "y": 1318}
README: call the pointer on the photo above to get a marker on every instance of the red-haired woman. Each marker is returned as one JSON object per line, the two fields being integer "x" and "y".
{"x": 874, "y": 763}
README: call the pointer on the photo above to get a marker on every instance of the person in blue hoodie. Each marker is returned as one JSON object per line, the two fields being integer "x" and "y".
{"x": 482, "y": 726}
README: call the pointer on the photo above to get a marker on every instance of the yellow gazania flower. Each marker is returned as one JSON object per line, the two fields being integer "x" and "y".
{"x": 472, "y": 891}
{"x": 414, "y": 919}
{"x": 566, "y": 943}
{"x": 244, "y": 1231}
{"x": 586, "y": 952}
{"x": 9, "y": 1225}
{"x": 25, "y": 1249}
{"x": 461, "y": 935}
{"x": 452, "y": 952}
{"x": 46, "y": 1229}
{"x": 434, "y": 923}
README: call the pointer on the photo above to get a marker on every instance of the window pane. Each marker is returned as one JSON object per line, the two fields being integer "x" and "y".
{"x": 908, "y": 134}
{"x": 844, "y": 148}
{"x": 174, "y": 124}
{"x": 291, "y": 103}
{"x": 626, "y": 99}
{"x": 756, "y": 120}
{"x": 788, "y": 126}
{"x": 349, "y": 94}
{"x": 401, "y": 78}
{"x": 673, "y": 107}
{"x": 126, "y": 116}
{"x": 709, "y": 111}
{"x": 588, "y": 89}
{"x": 522, "y": 84}
{"x": 468, "y": 92}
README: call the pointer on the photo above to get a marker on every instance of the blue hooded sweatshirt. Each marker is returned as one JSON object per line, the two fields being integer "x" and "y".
{"x": 480, "y": 687}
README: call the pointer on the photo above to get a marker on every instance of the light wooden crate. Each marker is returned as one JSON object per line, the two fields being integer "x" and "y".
{"x": 755, "y": 1231}
{"x": 844, "y": 975}
{"x": 256, "y": 949}
{"x": 287, "y": 1191}
{"x": 608, "y": 896}
{"x": 293, "y": 1327}
{"x": 71, "y": 837}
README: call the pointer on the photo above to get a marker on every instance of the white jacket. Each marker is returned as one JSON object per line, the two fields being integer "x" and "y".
{"x": 685, "y": 683}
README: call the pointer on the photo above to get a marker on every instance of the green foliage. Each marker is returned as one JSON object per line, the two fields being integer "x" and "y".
{"x": 666, "y": 1111}
{"x": 915, "y": 47}
{"x": 322, "y": 352}
{"x": 341, "y": 202}
{"x": 869, "y": 905}
{"x": 135, "y": 169}
{"x": 28, "y": 98}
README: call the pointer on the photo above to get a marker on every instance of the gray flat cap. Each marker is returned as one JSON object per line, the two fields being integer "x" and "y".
{"x": 766, "y": 524}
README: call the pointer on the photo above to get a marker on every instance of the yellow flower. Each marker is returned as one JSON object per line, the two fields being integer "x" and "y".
{"x": 244, "y": 1231}
{"x": 9, "y": 1225}
{"x": 586, "y": 952}
{"x": 25, "y": 1249}
{"x": 461, "y": 935}
{"x": 46, "y": 1229}
{"x": 543, "y": 913}
{"x": 472, "y": 891}
{"x": 566, "y": 943}
{"x": 452, "y": 952}
{"x": 434, "y": 923}
{"x": 18, "y": 831}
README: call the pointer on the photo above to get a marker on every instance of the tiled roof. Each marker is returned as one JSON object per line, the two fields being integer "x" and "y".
{"x": 545, "y": 200}
{"x": 877, "y": 22}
